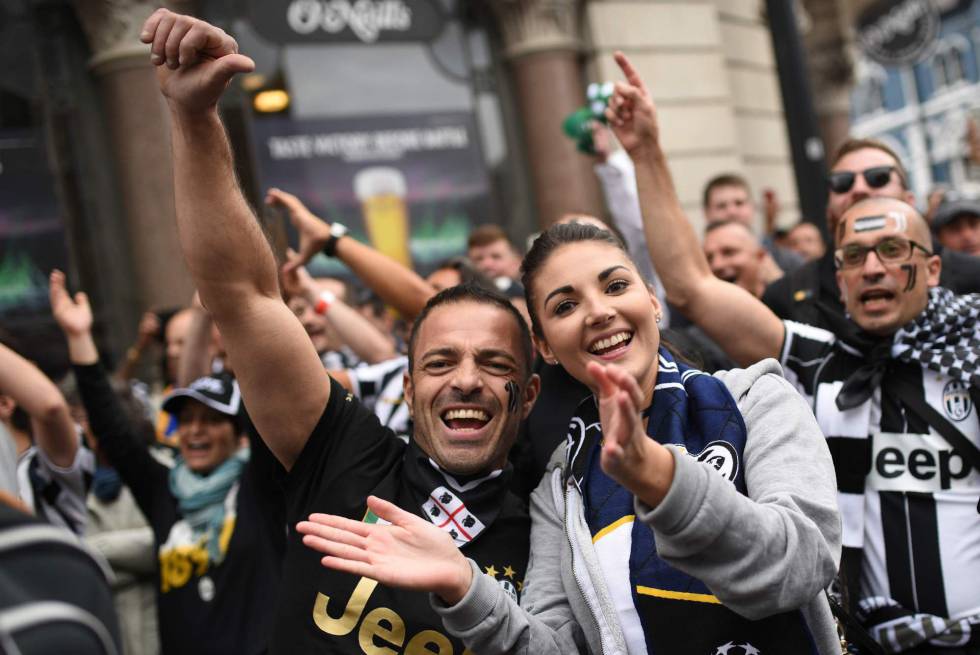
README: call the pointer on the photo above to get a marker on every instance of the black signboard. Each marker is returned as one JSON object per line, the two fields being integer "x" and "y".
{"x": 346, "y": 21}
{"x": 898, "y": 32}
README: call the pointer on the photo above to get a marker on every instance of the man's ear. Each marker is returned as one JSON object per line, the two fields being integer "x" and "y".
{"x": 531, "y": 391}
{"x": 841, "y": 287}
{"x": 934, "y": 266}
{"x": 542, "y": 347}
{"x": 409, "y": 392}
{"x": 7, "y": 407}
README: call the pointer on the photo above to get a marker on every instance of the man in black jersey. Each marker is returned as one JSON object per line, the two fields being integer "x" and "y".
{"x": 469, "y": 385}
{"x": 894, "y": 389}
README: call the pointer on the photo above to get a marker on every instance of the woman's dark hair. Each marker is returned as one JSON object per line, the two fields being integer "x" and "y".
{"x": 559, "y": 235}
{"x": 545, "y": 245}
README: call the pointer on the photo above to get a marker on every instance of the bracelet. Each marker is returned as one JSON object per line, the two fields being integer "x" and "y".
{"x": 322, "y": 305}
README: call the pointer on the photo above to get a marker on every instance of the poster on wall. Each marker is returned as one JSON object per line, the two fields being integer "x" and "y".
{"x": 411, "y": 186}
{"x": 32, "y": 242}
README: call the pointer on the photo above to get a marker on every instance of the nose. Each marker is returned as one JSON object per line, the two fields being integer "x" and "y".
{"x": 466, "y": 377}
{"x": 598, "y": 310}
{"x": 873, "y": 266}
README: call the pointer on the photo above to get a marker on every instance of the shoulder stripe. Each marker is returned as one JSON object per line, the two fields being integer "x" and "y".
{"x": 678, "y": 595}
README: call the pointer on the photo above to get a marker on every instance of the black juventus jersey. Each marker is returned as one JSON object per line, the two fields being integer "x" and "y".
{"x": 907, "y": 500}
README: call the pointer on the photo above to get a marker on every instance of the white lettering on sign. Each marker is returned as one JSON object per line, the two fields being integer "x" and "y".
{"x": 362, "y": 146}
{"x": 365, "y": 18}
{"x": 900, "y": 21}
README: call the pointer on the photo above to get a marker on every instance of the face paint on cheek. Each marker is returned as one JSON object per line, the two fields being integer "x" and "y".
{"x": 513, "y": 396}
{"x": 912, "y": 271}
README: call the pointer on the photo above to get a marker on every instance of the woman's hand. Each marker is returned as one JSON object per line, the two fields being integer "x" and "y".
{"x": 631, "y": 113}
{"x": 74, "y": 316}
{"x": 411, "y": 553}
{"x": 628, "y": 455}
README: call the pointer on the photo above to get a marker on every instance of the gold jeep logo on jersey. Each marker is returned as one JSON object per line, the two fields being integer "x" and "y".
{"x": 381, "y": 625}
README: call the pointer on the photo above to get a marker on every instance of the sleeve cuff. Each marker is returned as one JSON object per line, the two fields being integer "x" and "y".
{"x": 474, "y": 608}
{"x": 683, "y": 499}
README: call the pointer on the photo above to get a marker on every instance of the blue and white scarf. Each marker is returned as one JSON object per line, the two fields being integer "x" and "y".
{"x": 678, "y": 613}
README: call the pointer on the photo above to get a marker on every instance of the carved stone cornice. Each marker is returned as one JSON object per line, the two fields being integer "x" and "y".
{"x": 532, "y": 26}
{"x": 112, "y": 28}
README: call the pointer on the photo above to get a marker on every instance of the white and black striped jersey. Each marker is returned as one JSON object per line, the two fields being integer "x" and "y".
{"x": 380, "y": 388}
{"x": 906, "y": 498}
{"x": 56, "y": 494}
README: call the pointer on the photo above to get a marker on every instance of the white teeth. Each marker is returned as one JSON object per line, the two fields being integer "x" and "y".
{"x": 609, "y": 342}
{"x": 477, "y": 414}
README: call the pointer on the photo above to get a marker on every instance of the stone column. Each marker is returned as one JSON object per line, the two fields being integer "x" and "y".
{"x": 139, "y": 127}
{"x": 542, "y": 45}
{"x": 828, "y": 39}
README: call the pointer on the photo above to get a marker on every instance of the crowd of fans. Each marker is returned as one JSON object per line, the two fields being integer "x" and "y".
{"x": 621, "y": 439}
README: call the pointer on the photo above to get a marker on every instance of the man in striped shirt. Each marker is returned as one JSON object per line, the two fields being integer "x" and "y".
{"x": 908, "y": 495}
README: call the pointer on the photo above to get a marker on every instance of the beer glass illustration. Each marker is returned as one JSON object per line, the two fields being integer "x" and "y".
{"x": 381, "y": 191}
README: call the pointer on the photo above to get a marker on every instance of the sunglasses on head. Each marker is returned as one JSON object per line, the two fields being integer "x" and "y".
{"x": 875, "y": 177}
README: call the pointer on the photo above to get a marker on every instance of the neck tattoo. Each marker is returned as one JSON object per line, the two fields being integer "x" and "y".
{"x": 513, "y": 396}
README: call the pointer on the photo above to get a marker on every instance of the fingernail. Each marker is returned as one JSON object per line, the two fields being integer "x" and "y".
{"x": 156, "y": 59}
{"x": 144, "y": 35}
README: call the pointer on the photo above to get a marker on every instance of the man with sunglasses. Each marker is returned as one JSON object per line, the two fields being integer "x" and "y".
{"x": 862, "y": 168}
{"x": 895, "y": 391}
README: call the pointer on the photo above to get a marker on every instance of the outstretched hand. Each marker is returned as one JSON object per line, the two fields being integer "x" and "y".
{"x": 73, "y": 315}
{"x": 195, "y": 60}
{"x": 631, "y": 113}
{"x": 313, "y": 231}
{"x": 410, "y": 553}
{"x": 628, "y": 455}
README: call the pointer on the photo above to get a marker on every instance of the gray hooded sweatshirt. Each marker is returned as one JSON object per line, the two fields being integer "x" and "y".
{"x": 772, "y": 551}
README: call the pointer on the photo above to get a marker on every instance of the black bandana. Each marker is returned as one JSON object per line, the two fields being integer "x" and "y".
{"x": 945, "y": 338}
{"x": 462, "y": 506}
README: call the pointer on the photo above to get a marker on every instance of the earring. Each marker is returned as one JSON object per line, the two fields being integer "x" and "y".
{"x": 658, "y": 318}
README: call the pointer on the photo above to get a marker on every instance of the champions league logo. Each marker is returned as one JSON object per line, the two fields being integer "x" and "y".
{"x": 722, "y": 456}
{"x": 731, "y": 648}
{"x": 956, "y": 400}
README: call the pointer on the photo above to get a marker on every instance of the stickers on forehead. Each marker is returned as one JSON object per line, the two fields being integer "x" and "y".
{"x": 880, "y": 221}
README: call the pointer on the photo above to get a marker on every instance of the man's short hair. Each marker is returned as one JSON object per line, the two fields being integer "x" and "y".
{"x": 851, "y": 145}
{"x": 476, "y": 294}
{"x": 724, "y": 180}
{"x": 711, "y": 227}
{"x": 484, "y": 235}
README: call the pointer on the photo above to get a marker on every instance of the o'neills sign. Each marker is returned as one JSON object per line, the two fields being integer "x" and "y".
{"x": 350, "y": 21}
{"x": 896, "y": 32}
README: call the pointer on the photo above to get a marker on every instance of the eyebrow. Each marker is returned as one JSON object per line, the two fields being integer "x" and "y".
{"x": 439, "y": 352}
{"x": 569, "y": 288}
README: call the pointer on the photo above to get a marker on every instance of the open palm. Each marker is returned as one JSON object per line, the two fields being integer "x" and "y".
{"x": 74, "y": 315}
{"x": 410, "y": 553}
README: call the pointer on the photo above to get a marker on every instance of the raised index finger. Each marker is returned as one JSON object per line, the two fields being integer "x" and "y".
{"x": 627, "y": 67}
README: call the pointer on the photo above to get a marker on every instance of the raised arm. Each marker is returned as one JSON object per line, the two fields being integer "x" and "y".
{"x": 54, "y": 431}
{"x": 117, "y": 438}
{"x": 226, "y": 252}
{"x": 360, "y": 335}
{"x": 745, "y": 328}
{"x": 396, "y": 284}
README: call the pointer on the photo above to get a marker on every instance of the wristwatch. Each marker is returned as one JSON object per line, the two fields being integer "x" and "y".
{"x": 337, "y": 230}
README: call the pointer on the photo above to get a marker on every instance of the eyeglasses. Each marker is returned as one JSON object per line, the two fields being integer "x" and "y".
{"x": 875, "y": 177}
{"x": 889, "y": 250}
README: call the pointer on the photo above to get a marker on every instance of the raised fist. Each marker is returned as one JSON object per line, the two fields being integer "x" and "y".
{"x": 195, "y": 60}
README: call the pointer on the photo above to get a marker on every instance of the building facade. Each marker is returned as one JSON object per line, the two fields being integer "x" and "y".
{"x": 458, "y": 115}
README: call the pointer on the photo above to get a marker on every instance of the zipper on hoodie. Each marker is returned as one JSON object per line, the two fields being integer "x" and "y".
{"x": 581, "y": 590}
